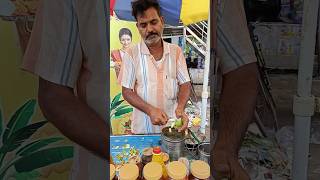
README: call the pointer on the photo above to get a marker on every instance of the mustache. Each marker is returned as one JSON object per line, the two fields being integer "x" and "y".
{"x": 151, "y": 34}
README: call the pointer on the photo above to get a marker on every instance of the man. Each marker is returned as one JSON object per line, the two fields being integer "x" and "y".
{"x": 240, "y": 83}
{"x": 68, "y": 50}
{"x": 155, "y": 78}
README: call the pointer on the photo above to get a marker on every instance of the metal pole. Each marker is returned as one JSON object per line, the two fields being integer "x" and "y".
{"x": 184, "y": 41}
{"x": 205, "y": 93}
{"x": 210, "y": 62}
{"x": 303, "y": 105}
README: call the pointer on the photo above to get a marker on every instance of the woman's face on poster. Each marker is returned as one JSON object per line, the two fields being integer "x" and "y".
{"x": 125, "y": 40}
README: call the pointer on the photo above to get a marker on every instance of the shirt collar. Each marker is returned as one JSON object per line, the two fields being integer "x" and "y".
{"x": 145, "y": 50}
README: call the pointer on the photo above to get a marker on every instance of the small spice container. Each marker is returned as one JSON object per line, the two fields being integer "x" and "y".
{"x": 152, "y": 171}
{"x": 165, "y": 158}
{"x": 146, "y": 155}
{"x": 129, "y": 172}
{"x": 177, "y": 171}
{"x": 200, "y": 170}
{"x": 112, "y": 172}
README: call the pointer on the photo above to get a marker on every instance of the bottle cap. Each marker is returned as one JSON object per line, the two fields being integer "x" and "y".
{"x": 157, "y": 150}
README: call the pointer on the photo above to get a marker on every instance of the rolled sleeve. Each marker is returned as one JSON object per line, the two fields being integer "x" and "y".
{"x": 54, "y": 51}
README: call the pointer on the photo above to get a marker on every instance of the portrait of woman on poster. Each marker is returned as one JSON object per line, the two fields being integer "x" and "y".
{"x": 125, "y": 37}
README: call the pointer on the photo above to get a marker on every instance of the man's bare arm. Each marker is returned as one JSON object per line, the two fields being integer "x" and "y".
{"x": 183, "y": 95}
{"x": 237, "y": 104}
{"x": 75, "y": 119}
{"x": 132, "y": 98}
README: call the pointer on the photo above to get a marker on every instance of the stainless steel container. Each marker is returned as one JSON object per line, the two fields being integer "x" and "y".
{"x": 204, "y": 151}
{"x": 172, "y": 143}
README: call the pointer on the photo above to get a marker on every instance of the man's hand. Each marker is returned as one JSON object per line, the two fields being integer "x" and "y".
{"x": 181, "y": 114}
{"x": 183, "y": 96}
{"x": 158, "y": 117}
{"x": 226, "y": 166}
{"x": 237, "y": 103}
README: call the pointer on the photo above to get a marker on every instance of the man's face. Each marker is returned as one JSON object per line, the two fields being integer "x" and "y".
{"x": 150, "y": 26}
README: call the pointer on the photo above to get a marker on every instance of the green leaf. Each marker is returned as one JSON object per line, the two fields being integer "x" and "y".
{"x": 121, "y": 107}
{"x": 118, "y": 117}
{"x": 18, "y": 137}
{"x": 116, "y": 104}
{"x": 35, "y": 146}
{"x": 43, "y": 158}
{"x": 32, "y": 175}
{"x": 19, "y": 119}
{"x": 123, "y": 111}
{"x": 115, "y": 99}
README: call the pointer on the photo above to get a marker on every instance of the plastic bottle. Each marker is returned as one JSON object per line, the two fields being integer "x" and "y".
{"x": 157, "y": 156}
{"x": 152, "y": 171}
{"x": 199, "y": 170}
{"x": 177, "y": 171}
{"x": 129, "y": 172}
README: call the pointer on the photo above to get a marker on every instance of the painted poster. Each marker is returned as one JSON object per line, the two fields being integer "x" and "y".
{"x": 42, "y": 153}
{"x": 123, "y": 34}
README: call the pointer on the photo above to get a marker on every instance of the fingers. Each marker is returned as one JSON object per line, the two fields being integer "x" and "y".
{"x": 164, "y": 118}
{"x": 156, "y": 121}
{"x": 160, "y": 119}
{"x": 179, "y": 113}
{"x": 185, "y": 120}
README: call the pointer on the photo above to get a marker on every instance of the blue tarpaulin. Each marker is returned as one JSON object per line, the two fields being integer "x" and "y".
{"x": 170, "y": 10}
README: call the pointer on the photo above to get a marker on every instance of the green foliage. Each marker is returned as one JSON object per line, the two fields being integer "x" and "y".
{"x": 116, "y": 109}
{"x": 28, "y": 156}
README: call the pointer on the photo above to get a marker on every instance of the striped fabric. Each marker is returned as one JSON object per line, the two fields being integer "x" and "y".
{"x": 69, "y": 47}
{"x": 157, "y": 83}
{"x": 234, "y": 45}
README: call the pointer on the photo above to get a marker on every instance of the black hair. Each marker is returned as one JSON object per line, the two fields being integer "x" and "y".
{"x": 139, "y": 6}
{"x": 124, "y": 31}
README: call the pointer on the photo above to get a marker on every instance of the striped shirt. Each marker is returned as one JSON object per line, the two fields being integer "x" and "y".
{"x": 157, "y": 83}
{"x": 68, "y": 46}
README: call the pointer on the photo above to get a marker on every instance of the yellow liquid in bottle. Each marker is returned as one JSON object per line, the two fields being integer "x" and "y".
{"x": 157, "y": 156}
